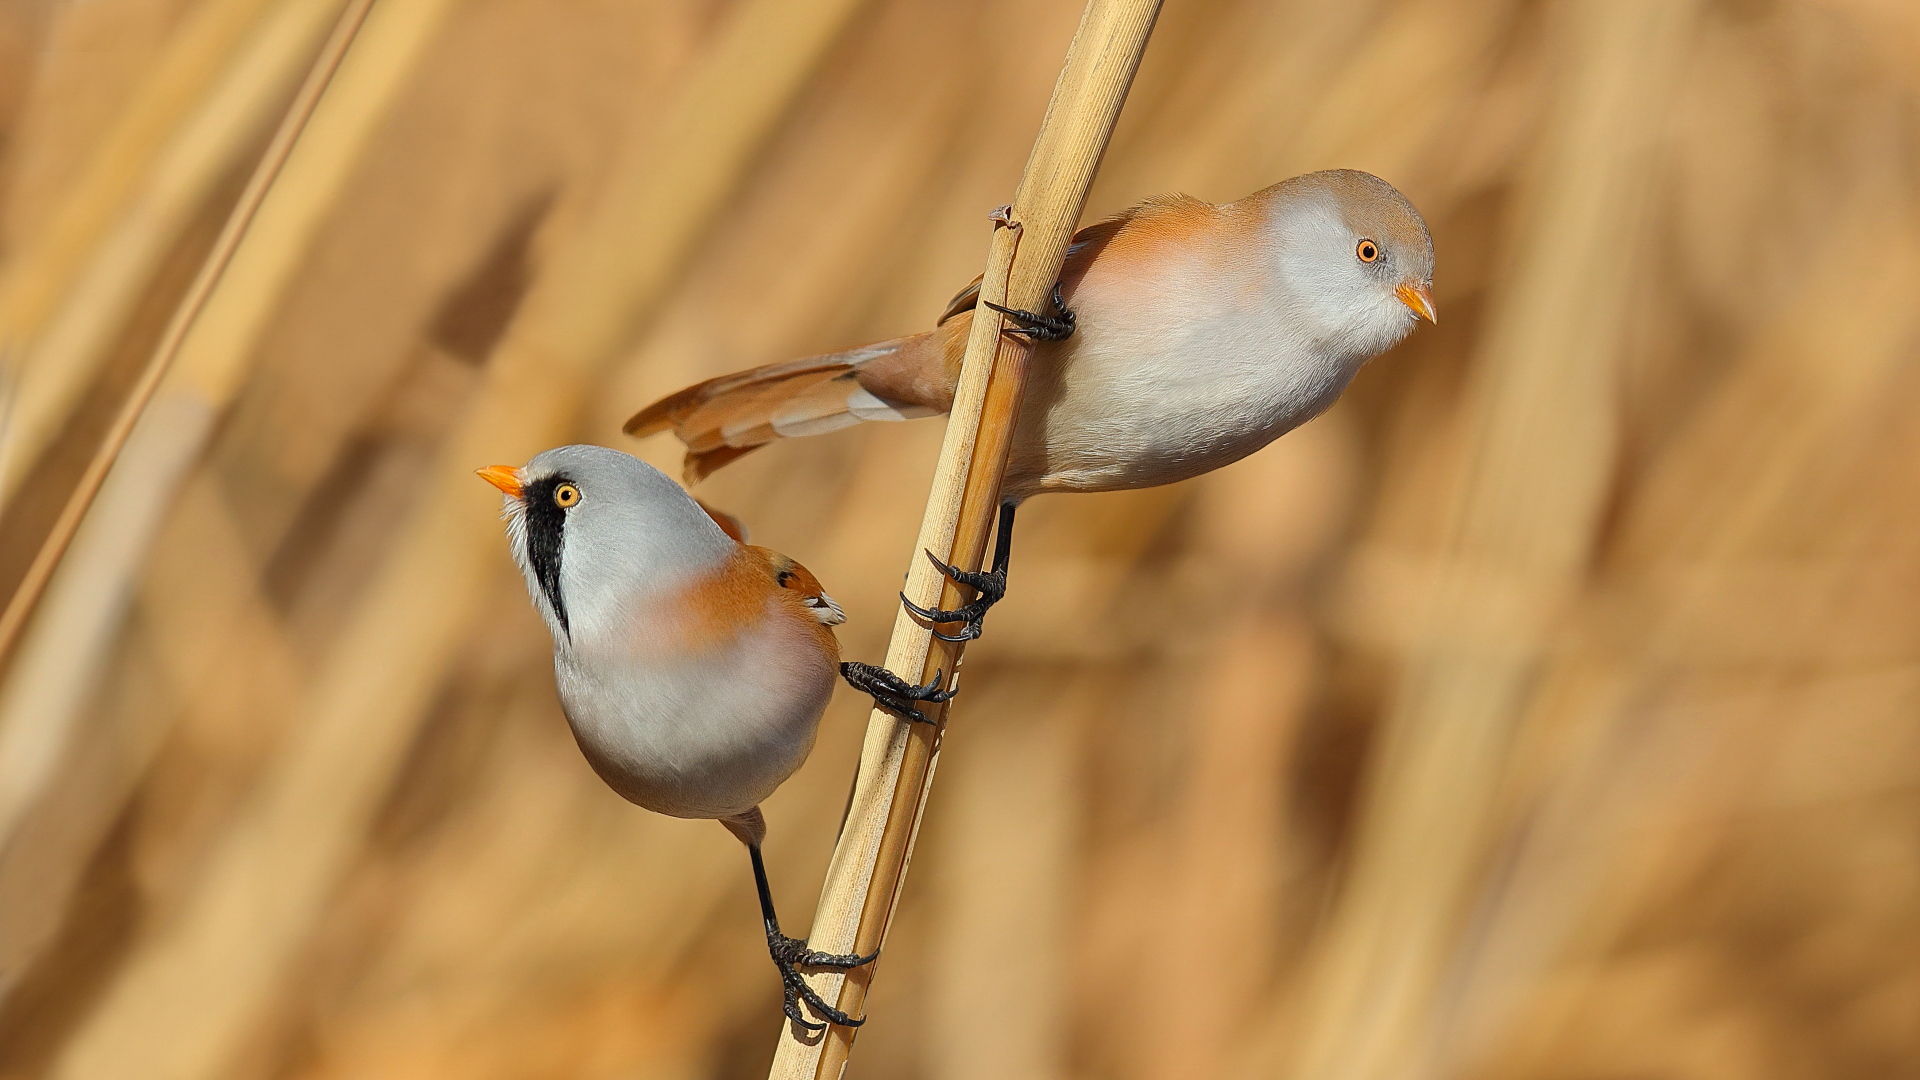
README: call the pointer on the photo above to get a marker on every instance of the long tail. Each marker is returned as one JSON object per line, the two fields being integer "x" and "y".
{"x": 725, "y": 418}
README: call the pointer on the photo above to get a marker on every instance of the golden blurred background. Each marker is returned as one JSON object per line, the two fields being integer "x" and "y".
{"x": 1549, "y": 709}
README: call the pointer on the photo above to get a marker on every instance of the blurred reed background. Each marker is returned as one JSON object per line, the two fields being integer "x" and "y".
{"x": 1551, "y": 708}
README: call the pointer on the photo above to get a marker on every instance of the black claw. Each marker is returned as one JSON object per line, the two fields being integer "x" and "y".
{"x": 971, "y": 615}
{"x": 892, "y": 693}
{"x": 790, "y": 1004}
{"x": 990, "y": 585}
{"x": 987, "y": 582}
{"x": 1037, "y": 326}
{"x": 791, "y": 954}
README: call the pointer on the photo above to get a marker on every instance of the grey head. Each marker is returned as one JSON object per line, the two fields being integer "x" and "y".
{"x": 1356, "y": 259}
{"x": 592, "y": 529}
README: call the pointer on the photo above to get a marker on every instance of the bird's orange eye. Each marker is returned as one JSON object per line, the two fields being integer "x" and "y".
{"x": 1368, "y": 251}
{"x": 565, "y": 496}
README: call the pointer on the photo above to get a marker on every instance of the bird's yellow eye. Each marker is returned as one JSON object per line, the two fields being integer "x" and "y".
{"x": 565, "y": 496}
{"x": 1368, "y": 251}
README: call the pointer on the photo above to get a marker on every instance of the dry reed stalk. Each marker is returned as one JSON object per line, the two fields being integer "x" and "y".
{"x": 182, "y": 1005}
{"x": 51, "y": 679}
{"x": 896, "y": 766}
{"x": 65, "y": 646}
{"x": 202, "y": 362}
{"x": 43, "y": 263}
{"x": 67, "y": 293}
{"x": 27, "y": 595}
{"x": 1540, "y": 460}
{"x": 59, "y": 666}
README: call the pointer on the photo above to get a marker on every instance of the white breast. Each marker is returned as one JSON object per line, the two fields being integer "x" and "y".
{"x": 1179, "y": 382}
{"x": 706, "y": 736}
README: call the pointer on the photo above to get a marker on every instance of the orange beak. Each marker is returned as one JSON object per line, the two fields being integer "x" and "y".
{"x": 1420, "y": 299}
{"x": 504, "y": 477}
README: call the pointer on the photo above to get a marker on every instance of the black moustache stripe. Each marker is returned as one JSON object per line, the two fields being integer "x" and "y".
{"x": 546, "y": 528}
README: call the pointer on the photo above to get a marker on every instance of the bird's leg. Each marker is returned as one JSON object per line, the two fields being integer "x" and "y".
{"x": 791, "y": 954}
{"x": 1038, "y": 326}
{"x": 989, "y": 586}
{"x": 892, "y": 693}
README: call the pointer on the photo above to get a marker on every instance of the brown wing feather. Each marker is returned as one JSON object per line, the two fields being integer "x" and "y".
{"x": 1082, "y": 250}
{"x": 698, "y": 467}
{"x": 729, "y": 524}
{"x": 963, "y": 302}
{"x": 725, "y": 418}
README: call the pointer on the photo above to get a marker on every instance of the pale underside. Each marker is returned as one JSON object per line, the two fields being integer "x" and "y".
{"x": 702, "y": 733}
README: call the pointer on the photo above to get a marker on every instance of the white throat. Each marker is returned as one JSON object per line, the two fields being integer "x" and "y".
{"x": 1326, "y": 292}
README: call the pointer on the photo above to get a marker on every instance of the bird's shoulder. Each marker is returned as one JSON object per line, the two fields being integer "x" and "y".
{"x": 1153, "y": 222}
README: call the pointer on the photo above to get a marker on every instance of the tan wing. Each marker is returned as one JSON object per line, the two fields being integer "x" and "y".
{"x": 729, "y": 524}
{"x": 1083, "y": 250}
{"x": 731, "y": 416}
{"x": 963, "y": 302}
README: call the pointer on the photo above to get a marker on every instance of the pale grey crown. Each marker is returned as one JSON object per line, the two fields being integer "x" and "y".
{"x": 632, "y": 529}
{"x": 1348, "y": 305}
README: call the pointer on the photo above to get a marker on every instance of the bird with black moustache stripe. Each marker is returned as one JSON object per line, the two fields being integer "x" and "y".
{"x": 692, "y": 667}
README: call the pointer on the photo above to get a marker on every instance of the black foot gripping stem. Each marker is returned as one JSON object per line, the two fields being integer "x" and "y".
{"x": 989, "y": 586}
{"x": 1037, "y": 326}
{"x": 892, "y": 693}
{"x": 791, "y": 954}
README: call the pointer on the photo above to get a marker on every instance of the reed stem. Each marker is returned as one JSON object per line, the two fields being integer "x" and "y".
{"x": 897, "y": 761}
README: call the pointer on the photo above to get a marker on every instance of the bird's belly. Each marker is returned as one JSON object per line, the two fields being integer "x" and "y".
{"x": 708, "y": 737}
{"x": 1118, "y": 415}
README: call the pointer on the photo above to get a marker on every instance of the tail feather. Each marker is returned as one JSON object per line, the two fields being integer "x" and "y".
{"x": 725, "y": 418}
{"x": 825, "y": 406}
{"x": 670, "y": 410}
{"x": 747, "y": 416}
